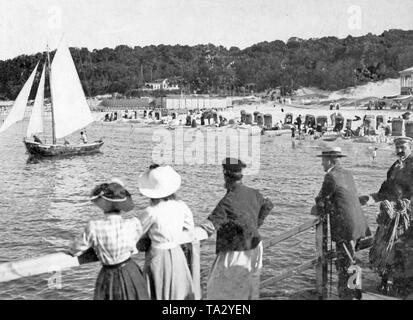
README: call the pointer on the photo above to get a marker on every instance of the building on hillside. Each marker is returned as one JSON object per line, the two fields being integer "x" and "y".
{"x": 161, "y": 84}
{"x": 406, "y": 81}
{"x": 194, "y": 102}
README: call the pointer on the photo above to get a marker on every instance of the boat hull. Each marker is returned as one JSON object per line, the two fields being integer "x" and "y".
{"x": 56, "y": 150}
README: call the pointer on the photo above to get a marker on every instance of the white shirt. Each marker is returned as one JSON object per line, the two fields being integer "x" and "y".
{"x": 83, "y": 138}
{"x": 165, "y": 223}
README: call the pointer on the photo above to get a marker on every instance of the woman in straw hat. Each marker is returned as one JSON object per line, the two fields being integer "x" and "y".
{"x": 114, "y": 238}
{"x": 165, "y": 220}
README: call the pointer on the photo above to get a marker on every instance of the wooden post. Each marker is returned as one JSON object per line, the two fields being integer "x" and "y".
{"x": 196, "y": 269}
{"x": 322, "y": 263}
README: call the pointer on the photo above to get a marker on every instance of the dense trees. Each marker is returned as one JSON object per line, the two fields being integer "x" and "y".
{"x": 328, "y": 63}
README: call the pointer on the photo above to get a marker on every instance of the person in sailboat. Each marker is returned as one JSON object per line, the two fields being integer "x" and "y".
{"x": 37, "y": 139}
{"x": 113, "y": 239}
{"x": 67, "y": 101}
{"x": 83, "y": 136}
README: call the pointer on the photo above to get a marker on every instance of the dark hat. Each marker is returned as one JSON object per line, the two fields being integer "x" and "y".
{"x": 115, "y": 197}
{"x": 233, "y": 164}
{"x": 401, "y": 140}
{"x": 332, "y": 152}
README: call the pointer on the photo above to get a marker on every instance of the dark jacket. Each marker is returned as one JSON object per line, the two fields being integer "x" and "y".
{"x": 338, "y": 197}
{"x": 399, "y": 176}
{"x": 237, "y": 218}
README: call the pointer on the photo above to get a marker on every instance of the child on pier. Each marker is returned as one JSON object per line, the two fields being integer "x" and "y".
{"x": 114, "y": 239}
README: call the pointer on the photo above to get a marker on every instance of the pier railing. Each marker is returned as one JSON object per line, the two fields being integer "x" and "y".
{"x": 320, "y": 260}
{"x": 57, "y": 262}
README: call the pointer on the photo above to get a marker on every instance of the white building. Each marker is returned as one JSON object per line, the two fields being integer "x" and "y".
{"x": 406, "y": 81}
{"x": 160, "y": 84}
{"x": 197, "y": 102}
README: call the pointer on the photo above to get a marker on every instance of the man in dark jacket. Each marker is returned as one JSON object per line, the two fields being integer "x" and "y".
{"x": 338, "y": 198}
{"x": 236, "y": 270}
{"x": 400, "y": 174}
{"x": 398, "y": 186}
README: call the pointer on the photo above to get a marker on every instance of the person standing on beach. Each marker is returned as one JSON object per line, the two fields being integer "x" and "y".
{"x": 235, "y": 273}
{"x": 165, "y": 220}
{"x": 338, "y": 199}
{"x": 113, "y": 239}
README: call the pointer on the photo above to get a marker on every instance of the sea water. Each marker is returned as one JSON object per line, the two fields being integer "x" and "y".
{"x": 44, "y": 204}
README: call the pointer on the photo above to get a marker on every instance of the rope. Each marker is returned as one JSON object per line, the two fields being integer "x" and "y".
{"x": 349, "y": 255}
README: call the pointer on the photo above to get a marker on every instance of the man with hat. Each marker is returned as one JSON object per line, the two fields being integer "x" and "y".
{"x": 338, "y": 198}
{"x": 398, "y": 187}
{"x": 400, "y": 174}
{"x": 236, "y": 270}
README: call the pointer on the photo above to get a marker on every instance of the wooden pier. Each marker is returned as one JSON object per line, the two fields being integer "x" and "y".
{"x": 324, "y": 290}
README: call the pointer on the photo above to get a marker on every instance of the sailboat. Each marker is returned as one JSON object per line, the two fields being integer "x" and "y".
{"x": 69, "y": 108}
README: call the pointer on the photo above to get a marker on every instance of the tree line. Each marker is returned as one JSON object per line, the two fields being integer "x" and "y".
{"x": 328, "y": 63}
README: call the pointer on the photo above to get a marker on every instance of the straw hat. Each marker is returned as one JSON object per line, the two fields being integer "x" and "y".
{"x": 333, "y": 152}
{"x": 112, "y": 197}
{"x": 159, "y": 182}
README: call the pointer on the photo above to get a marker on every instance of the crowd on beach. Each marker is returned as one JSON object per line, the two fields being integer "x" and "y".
{"x": 378, "y": 128}
{"x": 162, "y": 231}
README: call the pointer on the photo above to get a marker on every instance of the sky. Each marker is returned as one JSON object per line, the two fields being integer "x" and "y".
{"x": 27, "y": 26}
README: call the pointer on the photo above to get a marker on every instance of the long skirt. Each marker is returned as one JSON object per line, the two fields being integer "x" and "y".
{"x": 235, "y": 275}
{"x": 167, "y": 274}
{"x": 123, "y": 281}
{"x": 403, "y": 266}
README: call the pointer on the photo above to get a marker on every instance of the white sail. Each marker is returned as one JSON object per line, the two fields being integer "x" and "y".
{"x": 19, "y": 106}
{"x": 36, "y": 120}
{"x": 71, "y": 111}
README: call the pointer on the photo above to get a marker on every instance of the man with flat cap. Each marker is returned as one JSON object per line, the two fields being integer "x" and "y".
{"x": 235, "y": 273}
{"x": 338, "y": 198}
{"x": 400, "y": 174}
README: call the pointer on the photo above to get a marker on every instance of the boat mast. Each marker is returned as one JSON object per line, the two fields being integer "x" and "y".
{"x": 51, "y": 96}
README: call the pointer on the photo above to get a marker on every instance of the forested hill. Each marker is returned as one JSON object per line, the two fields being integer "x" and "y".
{"x": 328, "y": 63}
